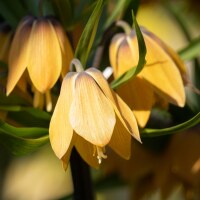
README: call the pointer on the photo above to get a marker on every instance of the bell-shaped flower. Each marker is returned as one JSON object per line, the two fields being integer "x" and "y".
{"x": 161, "y": 76}
{"x": 40, "y": 45}
{"x": 90, "y": 116}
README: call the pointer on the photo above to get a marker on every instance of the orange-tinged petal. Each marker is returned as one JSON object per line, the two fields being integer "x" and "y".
{"x": 66, "y": 157}
{"x": 113, "y": 52}
{"x": 91, "y": 115}
{"x": 122, "y": 110}
{"x": 67, "y": 52}
{"x": 86, "y": 151}
{"x": 162, "y": 73}
{"x": 121, "y": 140}
{"x": 60, "y": 130}
{"x": 18, "y": 56}
{"x": 138, "y": 95}
{"x": 45, "y": 57}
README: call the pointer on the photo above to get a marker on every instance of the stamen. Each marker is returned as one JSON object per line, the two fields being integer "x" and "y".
{"x": 48, "y": 101}
{"x": 38, "y": 100}
{"x": 100, "y": 153}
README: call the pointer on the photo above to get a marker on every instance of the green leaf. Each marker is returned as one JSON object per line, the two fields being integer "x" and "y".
{"x": 63, "y": 8}
{"x": 12, "y": 11}
{"x": 22, "y": 131}
{"x": 191, "y": 51}
{"x": 141, "y": 62}
{"x": 86, "y": 40}
{"x": 21, "y": 141}
{"x": 171, "y": 130}
{"x": 120, "y": 6}
{"x": 32, "y": 111}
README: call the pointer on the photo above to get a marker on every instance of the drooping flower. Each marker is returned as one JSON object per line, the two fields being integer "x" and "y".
{"x": 161, "y": 76}
{"x": 90, "y": 116}
{"x": 40, "y": 45}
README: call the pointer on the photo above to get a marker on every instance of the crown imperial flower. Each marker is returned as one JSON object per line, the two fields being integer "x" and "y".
{"x": 161, "y": 75}
{"x": 89, "y": 114}
{"x": 40, "y": 46}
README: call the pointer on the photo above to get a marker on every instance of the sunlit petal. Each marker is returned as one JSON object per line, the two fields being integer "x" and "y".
{"x": 138, "y": 95}
{"x": 66, "y": 49}
{"x": 162, "y": 73}
{"x": 114, "y": 50}
{"x": 121, "y": 109}
{"x": 66, "y": 157}
{"x": 121, "y": 140}
{"x": 86, "y": 151}
{"x": 91, "y": 113}
{"x": 45, "y": 59}
{"x": 60, "y": 130}
{"x": 18, "y": 56}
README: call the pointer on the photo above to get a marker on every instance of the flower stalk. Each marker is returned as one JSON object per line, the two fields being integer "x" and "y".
{"x": 83, "y": 187}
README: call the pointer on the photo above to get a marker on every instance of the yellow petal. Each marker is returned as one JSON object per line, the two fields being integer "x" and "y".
{"x": 18, "y": 56}
{"x": 138, "y": 95}
{"x": 122, "y": 110}
{"x": 91, "y": 115}
{"x": 67, "y": 52}
{"x": 162, "y": 73}
{"x": 121, "y": 140}
{"x": 113, "y": 52}
{"x": 60, "y": 130}
{"x": 86, "y": 151}
{"x": 66, "y": 157}
{"x": 45, "y": 58}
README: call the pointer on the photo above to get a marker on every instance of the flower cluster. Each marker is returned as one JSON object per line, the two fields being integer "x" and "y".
{"x": 88, "y": 114}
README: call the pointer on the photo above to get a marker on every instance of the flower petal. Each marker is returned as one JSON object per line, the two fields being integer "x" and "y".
{"x": 162, "y": 73}
{"x": 45, "y": 58}
{"x": 91, "y": 114}
{"x": 67, "y": 52}
{"x": 60, "y": 130}
{"x": 113, "y": 52}
{"x": 122, "y": 110}
{"x": 86, "y": 150}
{"x": 65, "y": 159}
{"x": 18, "y": 56}
{"x": 121, "y": 140}
{"x": 138, "y": 95}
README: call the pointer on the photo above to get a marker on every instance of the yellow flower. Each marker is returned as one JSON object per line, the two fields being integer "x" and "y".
{"x": 90, "y": 116}
{"x": 40, "y": 45}
{"x": 162, "y": 74}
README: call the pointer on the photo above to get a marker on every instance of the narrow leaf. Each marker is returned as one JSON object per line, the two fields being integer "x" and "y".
{"x": 141, "y": 62}
{"x": 86, "y": 40}
{"x": 191, "y": 51}
{"x": 120, "y": 6}
{"x": 22, "y": 132}
{"x": 21, "y": 146}
{"x": 171, "y": 130}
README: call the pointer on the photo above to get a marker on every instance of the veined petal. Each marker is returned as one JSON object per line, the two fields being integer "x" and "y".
{"x": 45, "y": 58}
{"x": 86, "y": 151}
{"x": 122, "y": 110}
{"x": 65, "y": 159}
{"x": 121, "y": 140}
{"x": 128, "y": 55}
{"x": 60, "y": 131}
{"x": 67, "y": 52}
{"x": 162, "y": 73}
{"x": 91, "y": 115}
{"x": 113, "y": 52}
{"x": 138, "y": 95}
{"x": 67, "y": 57}
{"x": 18, "y": 56}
